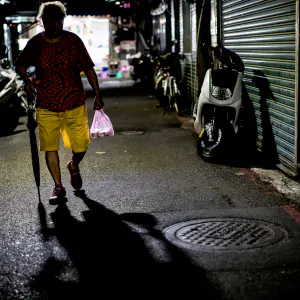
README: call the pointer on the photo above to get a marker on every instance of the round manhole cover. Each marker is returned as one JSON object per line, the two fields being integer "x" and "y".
{"x": 223, "y": 234}
{"x": 132, "y": 132}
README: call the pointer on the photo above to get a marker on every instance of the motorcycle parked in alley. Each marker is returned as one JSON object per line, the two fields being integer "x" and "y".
{"x": 142, "y": 67}
{"x": 13, "y": 100}
{"x": 218, "y": 108}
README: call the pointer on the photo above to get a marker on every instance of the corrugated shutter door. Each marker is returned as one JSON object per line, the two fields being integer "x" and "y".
{"x": 262, "y": 32}
{"x": 186, "y": 63}
{"x": 187, "y": 78}
{"x": 188, "y": 45}
{"x": 194, "y": 51}
{"x": 173, "y": 37}
{"x": 181, "y": 25}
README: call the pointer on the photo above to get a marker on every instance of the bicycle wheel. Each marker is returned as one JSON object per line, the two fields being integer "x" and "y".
{"x": 177, "y": 98}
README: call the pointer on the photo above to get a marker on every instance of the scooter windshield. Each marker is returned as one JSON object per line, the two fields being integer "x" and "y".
{"x": 223, "y": 82}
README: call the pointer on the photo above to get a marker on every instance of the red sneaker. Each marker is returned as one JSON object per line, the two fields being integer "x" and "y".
{"x": 58, "y": 196}
{"x": 76, "y": 180}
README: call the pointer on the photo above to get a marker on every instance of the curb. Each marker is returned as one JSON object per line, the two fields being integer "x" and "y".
{"x": 283, "y": 184}
{"x": 186, "y": 122}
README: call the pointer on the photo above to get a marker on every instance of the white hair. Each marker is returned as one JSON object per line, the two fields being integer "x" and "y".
{"x": 53, "y": 10}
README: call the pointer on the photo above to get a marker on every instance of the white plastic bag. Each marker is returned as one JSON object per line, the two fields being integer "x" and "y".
{"x": 102, "y": 125}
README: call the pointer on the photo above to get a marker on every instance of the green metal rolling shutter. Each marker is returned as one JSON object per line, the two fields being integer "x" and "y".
{"x": 194, "y": 52}
{"x": 173, "y": 29}
{"x": 176, "y": 23}
{"x": 263, "y": 33}
{"x": 186, "y": 63}
{"x": 181, "y": 25}
{"x": 188, "y": 46}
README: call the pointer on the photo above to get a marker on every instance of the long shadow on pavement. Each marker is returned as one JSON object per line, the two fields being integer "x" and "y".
{"x": 12, "y": 133}
{"x": 117, "y": 256}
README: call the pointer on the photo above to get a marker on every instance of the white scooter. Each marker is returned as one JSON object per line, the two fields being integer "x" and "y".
{"x": 217, "y": 111}
{"x": 12, "y": 98}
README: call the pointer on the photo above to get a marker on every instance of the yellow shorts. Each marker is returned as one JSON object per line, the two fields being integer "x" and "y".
{"x": 71, "y": 124}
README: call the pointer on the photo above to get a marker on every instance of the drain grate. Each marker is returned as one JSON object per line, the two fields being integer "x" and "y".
{"x": 132, "y": 132}
{"x": 223, "y": 234}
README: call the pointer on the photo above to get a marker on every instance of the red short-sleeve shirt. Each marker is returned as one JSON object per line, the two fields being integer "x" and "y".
{"x": 58, "y": 66}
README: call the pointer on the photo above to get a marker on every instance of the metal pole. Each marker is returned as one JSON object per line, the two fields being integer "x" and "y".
{"x": 38, "y": 4}
{"x": 213, "y": 23}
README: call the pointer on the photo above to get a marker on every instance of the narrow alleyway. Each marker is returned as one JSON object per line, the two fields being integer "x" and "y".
{"x": 108, "y": 241}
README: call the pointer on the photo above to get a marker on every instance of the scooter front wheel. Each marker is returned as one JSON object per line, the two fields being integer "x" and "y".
{"x": 10, "y": 120}
{"x": 214, "y": 141}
